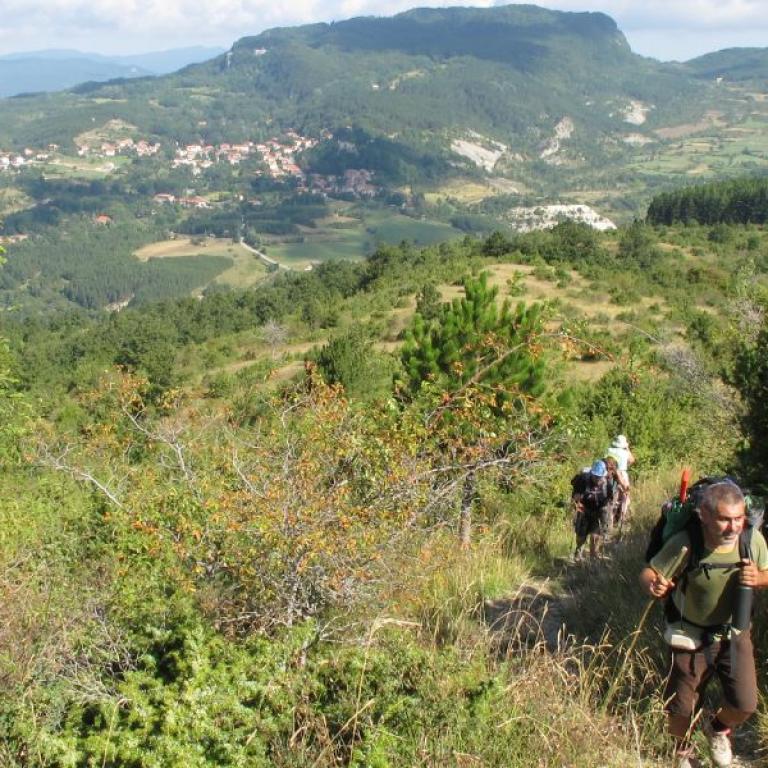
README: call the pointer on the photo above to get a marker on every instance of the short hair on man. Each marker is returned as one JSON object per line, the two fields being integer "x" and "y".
{"x": 721, "y": 493}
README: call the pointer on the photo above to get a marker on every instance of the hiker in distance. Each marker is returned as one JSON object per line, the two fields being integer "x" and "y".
{"x": 592, "y": 499}
{"x": 620, "y": 492}
{"x": 708, "y": 619}
{"x": 619, "y": 450}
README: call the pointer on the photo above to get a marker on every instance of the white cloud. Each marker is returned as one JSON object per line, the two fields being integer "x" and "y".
{"x": 140, "y": 25}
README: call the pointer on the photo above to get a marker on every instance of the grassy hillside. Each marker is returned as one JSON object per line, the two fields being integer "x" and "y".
{"x": 231, "y": 523}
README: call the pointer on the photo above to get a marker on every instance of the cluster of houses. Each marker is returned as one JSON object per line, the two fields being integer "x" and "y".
{"x": 279, "y": 156}
{"x": 354, "y": 181}
{"x": 126, "y": 146}
{"x": 10, "y": 161}
{"x": 189, "y": 201}
{"x": 275, "y": 158}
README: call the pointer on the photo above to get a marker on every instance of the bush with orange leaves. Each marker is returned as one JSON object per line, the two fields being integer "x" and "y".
{"x": 302, "y": 511}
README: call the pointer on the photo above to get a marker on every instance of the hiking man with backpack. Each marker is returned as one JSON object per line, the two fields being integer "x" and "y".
{"x": 707, "y": 630}
{"x": 592, "y": 498}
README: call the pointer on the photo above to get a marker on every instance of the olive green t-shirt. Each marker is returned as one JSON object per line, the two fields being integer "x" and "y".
{"x": 710, "y": 593}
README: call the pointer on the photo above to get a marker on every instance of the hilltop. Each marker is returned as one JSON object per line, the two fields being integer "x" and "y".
{"x": 737, "y": 65}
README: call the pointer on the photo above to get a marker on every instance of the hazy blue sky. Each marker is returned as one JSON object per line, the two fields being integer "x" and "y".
{"x": 666, "y": 29}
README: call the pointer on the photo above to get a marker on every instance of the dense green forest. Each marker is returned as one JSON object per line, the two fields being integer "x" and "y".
{"x": 741, "y": 201}
{"x": 232, "y": 524}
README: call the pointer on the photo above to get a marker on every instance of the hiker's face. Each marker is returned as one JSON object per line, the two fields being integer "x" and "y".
{"x": 724, "y": 525}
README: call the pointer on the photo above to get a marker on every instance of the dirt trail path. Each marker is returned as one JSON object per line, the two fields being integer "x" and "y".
{"x": 537, "y": 615}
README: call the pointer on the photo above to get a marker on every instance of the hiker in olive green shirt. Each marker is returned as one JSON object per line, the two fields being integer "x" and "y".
{"x": 703, "y": 643}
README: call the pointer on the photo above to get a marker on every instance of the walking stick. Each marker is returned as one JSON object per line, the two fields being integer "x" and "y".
{"x": 672, "y": 571}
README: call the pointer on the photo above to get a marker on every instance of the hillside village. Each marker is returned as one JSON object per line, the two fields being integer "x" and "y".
{"x": 276, "y": 158}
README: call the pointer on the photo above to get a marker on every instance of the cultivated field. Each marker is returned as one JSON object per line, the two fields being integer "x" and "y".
{"x": 355, "y": 237}
{"x": 246, "y": 269}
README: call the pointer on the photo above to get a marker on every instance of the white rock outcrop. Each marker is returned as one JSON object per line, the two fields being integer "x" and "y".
{"x": 527, "y": 219}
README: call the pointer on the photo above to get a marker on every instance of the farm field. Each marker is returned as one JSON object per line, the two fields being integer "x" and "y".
{"x": 12, "y": 199}
{"x": 64, "y": 166}
{"x": 246, "y": 269}
{"x": 357, "y": 238}
{"x": 740, "y": 148}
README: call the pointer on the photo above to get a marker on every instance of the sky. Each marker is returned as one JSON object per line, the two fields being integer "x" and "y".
{"x": 665, "y": 29}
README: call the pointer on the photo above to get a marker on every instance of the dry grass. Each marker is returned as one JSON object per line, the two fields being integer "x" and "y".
{"x": 462, "y": 190}
{"x": 578, "y": 295}
{"x": 12, "y": 200}
{"x": 554, "y": 703}
{"x": 183, "y": 246}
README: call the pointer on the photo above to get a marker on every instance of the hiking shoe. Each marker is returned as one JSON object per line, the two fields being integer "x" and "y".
{"x": 686, "y": 759}
{"x": 719, "y": 746}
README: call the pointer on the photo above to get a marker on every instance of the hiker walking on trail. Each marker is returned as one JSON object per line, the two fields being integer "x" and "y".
{"x": 707, "y": 630}
{"x": 620, "y": 492}
{"x": 620, "y": 451}
{"x": 592, "y": 500}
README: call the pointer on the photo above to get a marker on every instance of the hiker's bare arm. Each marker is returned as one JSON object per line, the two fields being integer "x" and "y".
{"x": 752, "y": 576}
{"x": 622, "y": 481}
{"x": 654, "y": 583}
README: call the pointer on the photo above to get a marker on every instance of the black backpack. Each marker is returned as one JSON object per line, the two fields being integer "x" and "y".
{"x": 679, "y": 515}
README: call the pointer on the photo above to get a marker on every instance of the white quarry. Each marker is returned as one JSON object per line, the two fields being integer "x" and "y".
{"x": 527, "y": 219}
{"x": 637, "y": 112}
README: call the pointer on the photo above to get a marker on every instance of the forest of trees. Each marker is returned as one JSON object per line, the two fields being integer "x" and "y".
{"x": 740, "y": 201}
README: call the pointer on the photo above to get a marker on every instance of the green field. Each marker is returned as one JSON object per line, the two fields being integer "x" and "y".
{"x": 245, "y": 270}
{"x": 66, "y": 167}
{"x": 358, "y": 239}
{"x": 740, "y": 148}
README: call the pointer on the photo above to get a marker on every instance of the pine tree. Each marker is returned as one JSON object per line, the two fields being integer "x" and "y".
{"x": 473, "y": 340}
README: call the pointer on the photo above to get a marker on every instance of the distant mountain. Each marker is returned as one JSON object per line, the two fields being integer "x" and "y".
{"x": 733, "y": 64}
{"x": 55, "y": 70}
{"x": 29, "y": 75}
{"x": 538, "y": 96}
{"x": 164, "y": 62}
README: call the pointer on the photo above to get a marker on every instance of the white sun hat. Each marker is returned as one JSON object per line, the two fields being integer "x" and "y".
{"x": 620, "y": 441}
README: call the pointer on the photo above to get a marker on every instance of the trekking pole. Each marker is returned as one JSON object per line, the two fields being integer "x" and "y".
{"x": 677, "y": 564}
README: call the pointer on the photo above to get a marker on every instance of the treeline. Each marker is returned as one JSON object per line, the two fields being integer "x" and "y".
{"x": 740, "y": 201}
{"x": 66, "y": 346}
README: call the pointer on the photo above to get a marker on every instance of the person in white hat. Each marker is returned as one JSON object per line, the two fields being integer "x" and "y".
{"x": 620, "y": 451}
